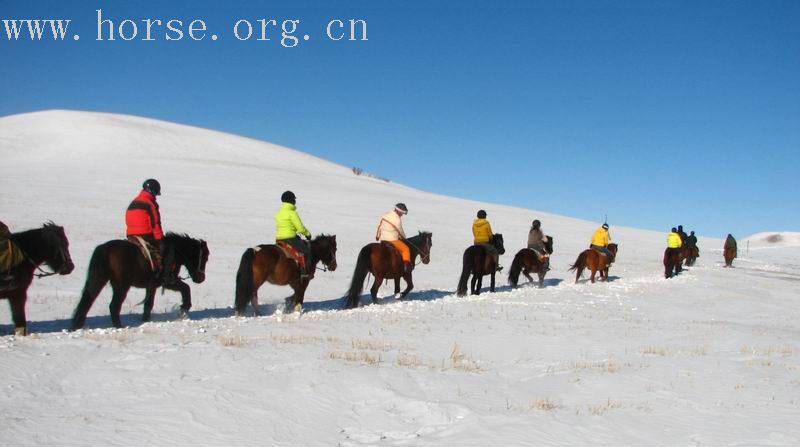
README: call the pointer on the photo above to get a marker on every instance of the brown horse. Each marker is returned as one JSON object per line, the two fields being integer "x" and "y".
{"x": 690, "y": 254}
{"x": 526, "y": 262}
{"x": 729, "y": 254}
{"x": 384, "y": 262}
{"x": 268, "y": 263}
{"x": 477, "y": 262}
{"x": 122, "y": 263}
{"x": 673, "y": 258}
{"x": 47, "y": 245}
{"x": 594, "y": 261}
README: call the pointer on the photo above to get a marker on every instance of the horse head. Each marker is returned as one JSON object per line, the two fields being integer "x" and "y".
{"x": 497, "y": 241}
{"x": 612, "y": 247}
{"x": 191, "y": 253}
{"x": 324, "y": 249}
{"x": 57, "y": 246}
{"x": 423, "y": 243}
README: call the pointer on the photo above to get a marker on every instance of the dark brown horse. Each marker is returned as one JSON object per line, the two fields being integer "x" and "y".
{"x": 47, "y": 245}
{"x": 673, "y": 259}
{"x": 594, "y": 261}
{"x": 384, "y": 262}
{"x": 690, "y": 254}
{"x": 122, "y": 263}
{"x": 268, "y": 263}
{"x": 478, "y": 262}
{"x": 526, "y": 262}
{"x": 729, "y": 254}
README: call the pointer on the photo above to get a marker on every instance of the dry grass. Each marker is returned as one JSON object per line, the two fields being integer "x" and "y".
{"x": 656, "y": 350}
{"x": 543, "y": 404}
{"x": 462, "y": 361}
{"x": 367, "y": 358}
{"x": 600, "y": 409}
{"x": 371, "y": 345}
{"x": 232, "y": 341}
{"x": 784, "y": 351}
{"x": 606, "y": 366}
{"x": 303, "y": 339}
{"x": 407, "y": 360}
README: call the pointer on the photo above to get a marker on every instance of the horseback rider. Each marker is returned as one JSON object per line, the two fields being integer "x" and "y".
{"x": 674, "y": 242}
{"x": 289, "y": 227}
{"x": 143, "y": 222}
{"x": 600, "y": 240}
{"x": 483, "y": 234}
{"x": 682, "y": 234}
{"x": 390, "y": 229}
{"x": 536, "y": 242}
{"x": 691, "y": 240}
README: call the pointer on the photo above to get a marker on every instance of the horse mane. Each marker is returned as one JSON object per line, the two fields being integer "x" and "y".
{"x": 183, "y": 237}
{"x": 48, "y": 227}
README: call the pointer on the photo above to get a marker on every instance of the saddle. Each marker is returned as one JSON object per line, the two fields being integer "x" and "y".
{"x": 147, "y": 250}
{"x": 292, "y": 253}
{"x": 542, "y": 256}
{"x": 10, "y": 256}
{"x": 395, "y": 252}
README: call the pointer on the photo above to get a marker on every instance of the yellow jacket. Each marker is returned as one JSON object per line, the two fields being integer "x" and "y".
{"x": 482, "y": 231}
{"x": 600, "y": 237}
{"x": 674, "y": 240}
{"x": 288, "y": 223}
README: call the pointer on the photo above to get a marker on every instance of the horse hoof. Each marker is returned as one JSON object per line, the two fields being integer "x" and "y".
{"x": 298, "y": 307}
{"x": 238, "y": 313}
{"x": 21, "y": 331}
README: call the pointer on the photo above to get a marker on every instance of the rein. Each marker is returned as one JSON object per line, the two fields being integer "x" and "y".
{"x": 199, "y": 262}
{"x": 38, "y": 267}
{"x": 419, "y": 251}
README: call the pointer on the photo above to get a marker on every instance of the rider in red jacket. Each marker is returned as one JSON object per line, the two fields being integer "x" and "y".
{"x": 143, "y": 219}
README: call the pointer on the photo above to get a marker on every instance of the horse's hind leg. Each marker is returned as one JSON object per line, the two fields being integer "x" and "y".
{"x": 541, "y": 279}
{"x": 116, "y": 304}
{"x": 593, "y": 273}
{"x": 149, "y": 301}
{"x": 396, "y": 287}
{"x": 491, "y": 284}
{"x": 254, "y": 303}
{"x": 475, "y": 284}
{"x": 17, "y": 303}
{"x": 376, "y": 285}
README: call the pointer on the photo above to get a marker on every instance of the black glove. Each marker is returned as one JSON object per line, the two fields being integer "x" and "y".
{"x": 308, "y": 237}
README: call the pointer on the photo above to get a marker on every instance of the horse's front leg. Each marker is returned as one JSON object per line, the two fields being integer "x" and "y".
{"x": 491, "y": 286}
{"x": 186, "y": 297}
{"x": 149, "y": 302}
{"x": 409, "y": 285}
{"x": 17, "y": 302}
{"x": 474, "y": 284}
{"x": 297, "y": 298}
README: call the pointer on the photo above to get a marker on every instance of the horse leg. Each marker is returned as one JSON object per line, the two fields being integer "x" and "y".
{"x": 409, "y": 285}
{"x": 491, "y": 284}
{"x": 17, "y": 303}
{"x": 149, "y": 301}
{"x": 186, "y": 297}
{"x": 541, "y": 279}
{"x": 116, "y": 303}
{"x": 299, "y": 293}
{"x": 475, "y": 284}
{"x": 528, "y": 275}
{"x": 254, "y": 304}
{"x": 593, "y": 273}
{"x": 396, "y": 287}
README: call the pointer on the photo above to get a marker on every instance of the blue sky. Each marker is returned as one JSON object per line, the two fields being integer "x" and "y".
{"x": 656, "y": 113}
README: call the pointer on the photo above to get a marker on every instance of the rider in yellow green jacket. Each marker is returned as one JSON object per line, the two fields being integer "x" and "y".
{"x": 482, "y": 234}
{"x": 288, "y": 227}
{"x": 600, "y": 240}
{"x": 674, "y": 239}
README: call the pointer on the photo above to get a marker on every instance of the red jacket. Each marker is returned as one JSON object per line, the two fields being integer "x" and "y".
{"x": 143, "y": 218}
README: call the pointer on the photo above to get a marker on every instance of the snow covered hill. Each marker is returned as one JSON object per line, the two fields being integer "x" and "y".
{"x": 708, "y": 358}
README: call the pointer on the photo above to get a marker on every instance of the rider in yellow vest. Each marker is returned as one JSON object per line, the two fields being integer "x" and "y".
{"x": 482, "y": 233}
{"x": 288, "y": 227}
{"x": 600, "y": 240}
{"x": 390, "y": 229}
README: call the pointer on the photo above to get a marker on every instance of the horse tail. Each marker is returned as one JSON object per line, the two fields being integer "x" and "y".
{"x": 579, "y": 264}
{"x": 359, "y": 274}
{"x": 465, "y": 271}
{"x": 244, "y": 281}
{"x": 96, "y": 278}
{"x": 516, "y": 268}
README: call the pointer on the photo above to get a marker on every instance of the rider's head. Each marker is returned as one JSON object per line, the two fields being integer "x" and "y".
{"x": 288, "y": 197}
{"x": 481, "y": 214}
{"x": 605, "y": 226}
{"x": 401, "y": 209}
{"x": 536, "y": 224}
{"x": 152, "y": 186}
{"x": 674, "y": 230}
{"x": 692, "y": 233}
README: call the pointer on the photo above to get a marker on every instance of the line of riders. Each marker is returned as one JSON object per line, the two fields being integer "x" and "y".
{"x": 143, "y": 228}
{"x": 144, "y": 231}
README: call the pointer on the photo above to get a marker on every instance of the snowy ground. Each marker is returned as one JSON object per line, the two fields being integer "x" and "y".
{"x": 708, "y": 358}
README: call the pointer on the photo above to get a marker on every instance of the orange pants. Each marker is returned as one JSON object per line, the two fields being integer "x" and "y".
{"x": 402, "y": 247}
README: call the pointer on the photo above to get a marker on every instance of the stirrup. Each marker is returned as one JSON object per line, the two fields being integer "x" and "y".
{"x": 499, "y": 268}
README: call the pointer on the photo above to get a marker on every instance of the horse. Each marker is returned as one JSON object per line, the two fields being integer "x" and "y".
{"x": 268, "y": 263}
{"x": 690, "y": 254}
{"x": 729, "y": 254}
{"x": 478, "y": 262}
{"x": 384, "y": 262}
{"x": 673, "y": 258}
{"x": 527, "y": 261}
{"x": 47, "y": 245}
{"x": 122, "y": 263}
{"x": 593, "y": 260}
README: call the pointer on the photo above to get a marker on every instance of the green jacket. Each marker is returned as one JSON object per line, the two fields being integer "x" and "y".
{"x": 288, "y": 224}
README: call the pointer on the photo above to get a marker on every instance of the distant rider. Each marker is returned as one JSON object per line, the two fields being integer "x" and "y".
{"x": 390, "y": 229}
{"x": 536, "y": 242}
{"x": 483, "y": 234}
{"x": 600, "y": 240}
{"x": 289, "y": 227}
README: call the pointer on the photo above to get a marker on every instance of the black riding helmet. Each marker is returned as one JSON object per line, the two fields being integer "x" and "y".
{"x": 152, "y": 186}
{"x": 481, "y": 214}
{"x": 536, "y": 224}
{"x": 288, "y": 197}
